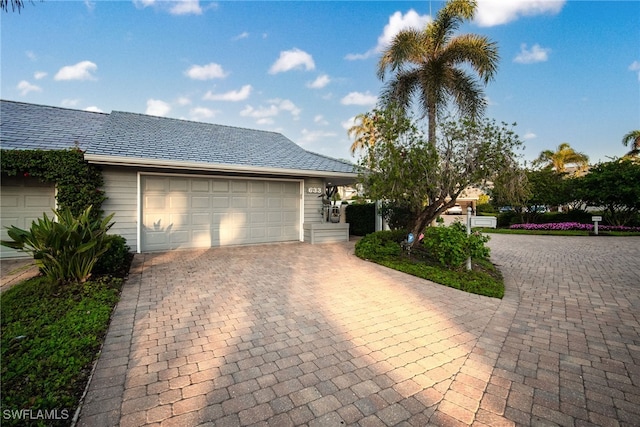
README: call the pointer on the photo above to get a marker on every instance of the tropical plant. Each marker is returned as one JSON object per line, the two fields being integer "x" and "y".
{"x": 427, "y": 179}
{"x": 364, "y": 132}
{"x": 433, "y": 66}
{"x": 563, "y": 156}
{"x": 66, "y": 249}
{"x": 632, "y": 139}
{"x": 451, "y": 246}
{"x": 616, "y": 187}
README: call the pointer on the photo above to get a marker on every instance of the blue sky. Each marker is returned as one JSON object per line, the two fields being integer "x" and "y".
{"x": 569, "y": 70}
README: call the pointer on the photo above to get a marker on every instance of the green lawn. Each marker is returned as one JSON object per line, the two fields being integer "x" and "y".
{"x": 51, "y": 335}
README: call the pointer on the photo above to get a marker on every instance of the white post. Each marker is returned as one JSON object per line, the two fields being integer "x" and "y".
{"x": 595, "y": 220}
{"x": 469, "y": 234}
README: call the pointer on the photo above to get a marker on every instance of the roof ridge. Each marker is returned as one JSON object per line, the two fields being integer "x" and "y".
{"x": 53, "y": 106}
{"x": 198, "y": 122}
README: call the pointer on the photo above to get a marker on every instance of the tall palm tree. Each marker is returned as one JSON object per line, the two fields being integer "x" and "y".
{"x": 563, "y": 156}
{"x": 433, "y": 65}
{"x": 364, "y": 131}
{"x": 632, "y": 139}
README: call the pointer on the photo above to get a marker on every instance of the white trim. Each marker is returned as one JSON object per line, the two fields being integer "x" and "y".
{"x": 138, "y": 212}
{"x": 140, "y": 174}
{"x": 197, "y": 166}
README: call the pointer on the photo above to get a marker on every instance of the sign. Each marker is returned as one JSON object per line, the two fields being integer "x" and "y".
{"x": 596, "y": 218}
{"x": 314, "y": 190}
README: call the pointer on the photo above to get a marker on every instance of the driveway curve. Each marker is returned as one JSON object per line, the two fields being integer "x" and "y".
{"x": 298, "y": 334}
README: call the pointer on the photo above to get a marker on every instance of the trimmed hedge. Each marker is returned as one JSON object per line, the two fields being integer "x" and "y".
{"x": 361, "y": 219}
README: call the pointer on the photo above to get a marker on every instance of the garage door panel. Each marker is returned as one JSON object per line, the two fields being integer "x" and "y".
{"x": 240, "y": 202}
{"x": 200, "y": 202}
{"x": 220, "y": 202}
{"x": 203, "y": 212}
{"x": 176, "y": 184}
{"x": 178, "y": 202}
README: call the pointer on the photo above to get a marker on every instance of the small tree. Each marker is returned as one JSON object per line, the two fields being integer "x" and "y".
{"x": 616, "y": 187}
{"x": 406, "y": 169}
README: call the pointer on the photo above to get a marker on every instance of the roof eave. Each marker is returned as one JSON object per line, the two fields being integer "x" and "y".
{"x": 212, "y": 167}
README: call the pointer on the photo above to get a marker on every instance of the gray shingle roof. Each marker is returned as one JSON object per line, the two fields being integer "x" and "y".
{"x": 30, "y": 127}
{"x": 140, "y": 137}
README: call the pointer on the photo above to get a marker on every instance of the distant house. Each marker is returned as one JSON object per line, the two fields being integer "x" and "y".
{"x": 178, "y": 184}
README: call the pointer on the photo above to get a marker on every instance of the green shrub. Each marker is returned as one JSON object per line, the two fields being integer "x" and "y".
{"x": 380, "y": 245}
{"x": 398, "y": 215}
{"x": 361, "y": 218}
{"x": 451, "y": 246}
{"x": 486, "y": 208}
{"x": 115, "y": 259}
{"x": 505, "y": 219}
{"x": 64, "y": 250}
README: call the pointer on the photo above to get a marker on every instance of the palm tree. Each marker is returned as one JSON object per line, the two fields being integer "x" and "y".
{"x": 364, "y": 131}
{"x": 563, "y": 156}
{"x": 433, "y": 65}
{"x": 632, "y": 139}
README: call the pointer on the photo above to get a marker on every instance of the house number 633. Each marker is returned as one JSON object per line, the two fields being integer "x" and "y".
{"x": 314, "y": 190}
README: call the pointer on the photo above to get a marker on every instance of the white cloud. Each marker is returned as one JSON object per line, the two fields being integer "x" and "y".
{"x": 94, "y": 109}
{"x": 635, "y": 66}
{"x": 320, "y": 82}
{"x": 174, "y": 7}
{"x": 69, "y": 103}
{"x": 39, "y": 75}
{"x": 31, "y": 55}
{"x": 233, "y": 95}
{"x": 497, "y": 12}
{"x": 293, "y": 59}
{"x": 80, "y": 71}
{"x": 25, "y": 87}
{"x": 359, "y": 98}
{"x": 186, "y": 7}
{"x": 206, "y": 72}
{"x": 533, "y": 55}
{"x": 309, "y": 136}
{"x": 156, "y": 107}
{"x": 397, "y": 22}
{"x": 319, "y": 119}
{"x": 529, "y": 135}
{"x": 265, "y": 114}
{"x": 201, "y": 113}
{"x": 243, "y": 35}
{"x": 183, "y": 100}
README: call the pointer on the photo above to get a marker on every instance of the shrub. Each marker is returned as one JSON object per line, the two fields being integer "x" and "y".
{"x": 505, "y": 219}
{"x": 451, "y": 246}
{"x": 486, "y": 208}
{"x": 115, "y": 259}
{"x": 66, "y": 250}
{"x": 361, "y": 218}
{"x": 380, "y": 245}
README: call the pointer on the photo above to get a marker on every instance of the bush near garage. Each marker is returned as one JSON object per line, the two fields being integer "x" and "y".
{"x": 361, "y": 218}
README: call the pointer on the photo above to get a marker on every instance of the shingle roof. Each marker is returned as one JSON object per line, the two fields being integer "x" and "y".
{"x": 160, "y": 138}
{"x": 140, "y": 137}
{"x": 30, "y": 127}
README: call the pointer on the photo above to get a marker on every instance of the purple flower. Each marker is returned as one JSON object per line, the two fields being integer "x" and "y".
{"x": 572, "y": 226}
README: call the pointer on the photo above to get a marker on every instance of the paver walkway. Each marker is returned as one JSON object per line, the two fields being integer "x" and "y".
{"x": 295, "y": 334}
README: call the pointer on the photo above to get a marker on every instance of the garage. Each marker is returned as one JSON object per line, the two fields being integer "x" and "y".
{"x": 199, "y": 212}
{"x": 23, "y": 200}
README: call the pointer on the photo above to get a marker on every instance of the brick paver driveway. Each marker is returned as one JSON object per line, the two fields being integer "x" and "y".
{"x": 295, "y": 334}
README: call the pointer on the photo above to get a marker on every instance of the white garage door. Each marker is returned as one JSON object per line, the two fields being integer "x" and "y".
{"x": 183, "y": 212}
{"x": 22, "y": 200}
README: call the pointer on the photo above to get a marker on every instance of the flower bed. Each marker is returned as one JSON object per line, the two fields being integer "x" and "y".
{"x": 572, "y": 226}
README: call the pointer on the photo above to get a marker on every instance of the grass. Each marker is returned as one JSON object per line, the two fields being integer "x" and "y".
{"x": 383, "y": 248}
{"x": 51, "y": 335}
{"x": 483, "y": 279}
{"x": 556, "y": 232}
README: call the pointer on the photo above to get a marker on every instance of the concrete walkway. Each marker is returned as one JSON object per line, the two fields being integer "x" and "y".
{"x": 295, "y": 334}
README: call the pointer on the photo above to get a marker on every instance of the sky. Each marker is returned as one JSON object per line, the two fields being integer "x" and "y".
{"x": 569, "y": 70}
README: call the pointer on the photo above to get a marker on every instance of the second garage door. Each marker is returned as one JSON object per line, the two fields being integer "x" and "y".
{"x": 186, "y": 212}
